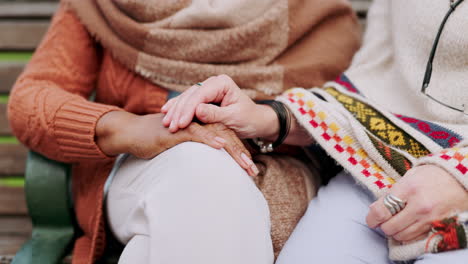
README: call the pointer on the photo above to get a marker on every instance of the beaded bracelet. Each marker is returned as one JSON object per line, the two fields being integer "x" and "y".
{"x": 284, "y": 119}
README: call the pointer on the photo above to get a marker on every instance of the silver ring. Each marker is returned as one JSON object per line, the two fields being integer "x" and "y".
{"x": 199, "y": 84}
{"x": 394, "y": 204}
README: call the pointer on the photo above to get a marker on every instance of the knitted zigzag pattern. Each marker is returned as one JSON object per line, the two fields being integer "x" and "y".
{"x": 379, "y": 125}
{"x": 378, "y": 147}
{"x": 439, "y": 134}
{"x": 398, "y": 161}
{"x": 332, "y": 131}
{"x": 442, "y": 136}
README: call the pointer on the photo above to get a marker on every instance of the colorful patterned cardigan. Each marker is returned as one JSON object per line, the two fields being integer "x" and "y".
{"x": 378, "y": 147}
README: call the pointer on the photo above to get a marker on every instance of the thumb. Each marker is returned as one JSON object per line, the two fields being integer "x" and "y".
{"x": 208, "y": 113}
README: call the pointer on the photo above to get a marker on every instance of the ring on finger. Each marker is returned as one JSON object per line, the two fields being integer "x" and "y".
{"x": 393, "y": 204}
{"x": 199, "y": 84}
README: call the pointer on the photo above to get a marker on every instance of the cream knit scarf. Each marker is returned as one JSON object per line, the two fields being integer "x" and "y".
{"x": 176, "y": 43}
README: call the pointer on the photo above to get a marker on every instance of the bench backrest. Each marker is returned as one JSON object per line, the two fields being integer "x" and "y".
{"x": 22, "y": 25}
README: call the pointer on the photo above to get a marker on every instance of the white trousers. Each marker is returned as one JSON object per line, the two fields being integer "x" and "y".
{"x": 334, "y": 231}
{"x": 191, "y": 204}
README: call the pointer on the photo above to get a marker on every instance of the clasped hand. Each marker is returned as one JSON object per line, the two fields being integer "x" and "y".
{"x": 431, "y": 192}
{"x": 146, "y": 137}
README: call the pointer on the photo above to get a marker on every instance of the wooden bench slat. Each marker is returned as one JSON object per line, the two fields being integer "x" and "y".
{"x": 15, "y": 226}
{"x": 27, "y": 9}
{"x": 12, "y": 201}
{"x": 10, "y": 244}
{"x": 9, "y": 72}
{"x": 12, "y": 160}
{"x": 21, "y": 35}
{"x": 4, "y": 125}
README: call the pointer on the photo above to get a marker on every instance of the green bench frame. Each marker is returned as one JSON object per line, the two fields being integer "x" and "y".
{"x": 50, "y": 206}
{"x": 47, "y": 188}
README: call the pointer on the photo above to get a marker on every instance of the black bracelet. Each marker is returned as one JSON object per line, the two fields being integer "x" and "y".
{"x": 284, "y": 119}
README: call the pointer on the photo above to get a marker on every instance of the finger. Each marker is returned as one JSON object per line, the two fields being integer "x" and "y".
{"x": 167, "y": 106}
{"x": 240, "y": 154}
{"x": 182, "y": 108}
{"x": 378, "y": 213}
{"x": 211, "y": 91}
{"x": 196, "y": 94}
{"x": 168, "y": 117}
{"x": 413, "y": 232}
{"x": 167, "y": 120}
{"x": 208, "y": 113}
{"x": 200, "y": 134}
{"x": 400, "y": 221}
{"x": 173, "y": 127}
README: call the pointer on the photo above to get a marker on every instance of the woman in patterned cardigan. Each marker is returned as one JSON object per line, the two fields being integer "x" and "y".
{"x": 404, "y": 148}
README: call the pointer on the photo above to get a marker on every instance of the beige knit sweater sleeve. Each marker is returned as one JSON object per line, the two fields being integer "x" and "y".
{"x": 48, "y": 110}
{"x": 377, "y": 43}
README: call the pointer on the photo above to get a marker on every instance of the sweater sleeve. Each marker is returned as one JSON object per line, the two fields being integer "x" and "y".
{"x": 377, "y": 41}
{"x": 48, "y": 108}
{"x": 454, "y": 160}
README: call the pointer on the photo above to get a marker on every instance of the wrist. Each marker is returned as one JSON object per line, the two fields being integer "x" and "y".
{"x": 111, "y": 130}
{"x": 268, "y": 123}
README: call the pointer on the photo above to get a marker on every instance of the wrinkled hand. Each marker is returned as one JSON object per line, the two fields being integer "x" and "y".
{"x": 145, "y": 137}
{"x": 431, "y": 194}
{"x": 237, "y": 111}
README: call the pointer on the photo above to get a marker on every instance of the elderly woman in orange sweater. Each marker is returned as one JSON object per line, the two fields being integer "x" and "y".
{"x": 172, "y": 201}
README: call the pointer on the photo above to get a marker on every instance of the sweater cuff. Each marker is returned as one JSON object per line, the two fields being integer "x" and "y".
{"x": 75, "y": 127}
{"x": 453, "y": 160}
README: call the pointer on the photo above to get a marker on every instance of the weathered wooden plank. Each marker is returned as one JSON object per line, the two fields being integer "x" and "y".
{"x": 15, "y": 226}
{"x": 21, "y": 35}
{"x": 12, "y": 159}
{"x": 9, "y": 245}
{"x": 12, "y": 201}
{"x": 9, "y": 72}
{"x": 27, "y": 9}
{"x": 4, "y": 126}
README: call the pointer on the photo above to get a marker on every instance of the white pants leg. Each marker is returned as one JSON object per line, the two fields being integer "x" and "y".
{"x": 334, "y": 231}
{"x": 191, "y": 204}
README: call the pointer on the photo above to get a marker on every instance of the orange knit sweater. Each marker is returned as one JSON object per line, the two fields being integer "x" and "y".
{"x": 49, "y": 113}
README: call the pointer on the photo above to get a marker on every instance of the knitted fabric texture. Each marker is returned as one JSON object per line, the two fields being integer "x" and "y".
{"x": 266, "y": 46}
{"x": 389, "y": 67}
{"x": 378, "y": 148}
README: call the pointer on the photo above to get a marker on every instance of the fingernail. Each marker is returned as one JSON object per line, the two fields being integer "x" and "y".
{"x": 165, "y": 118}
{"x": 220, "y": 140}
{"x": 254, "y": 169}
{"x": 247, "y": 160}
{"x": 172, "y": 125}
{"x": 163, "y": 108}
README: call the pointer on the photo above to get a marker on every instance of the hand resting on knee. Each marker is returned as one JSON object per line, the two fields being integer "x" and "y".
{"x": 145, "y": 137}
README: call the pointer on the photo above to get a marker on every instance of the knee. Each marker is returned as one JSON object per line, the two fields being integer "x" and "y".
{"x": 199, "y": 162}
{"x": 195, "y": 166}
{"x": 198, "y": 155}
{"x": 195, "y": 151}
